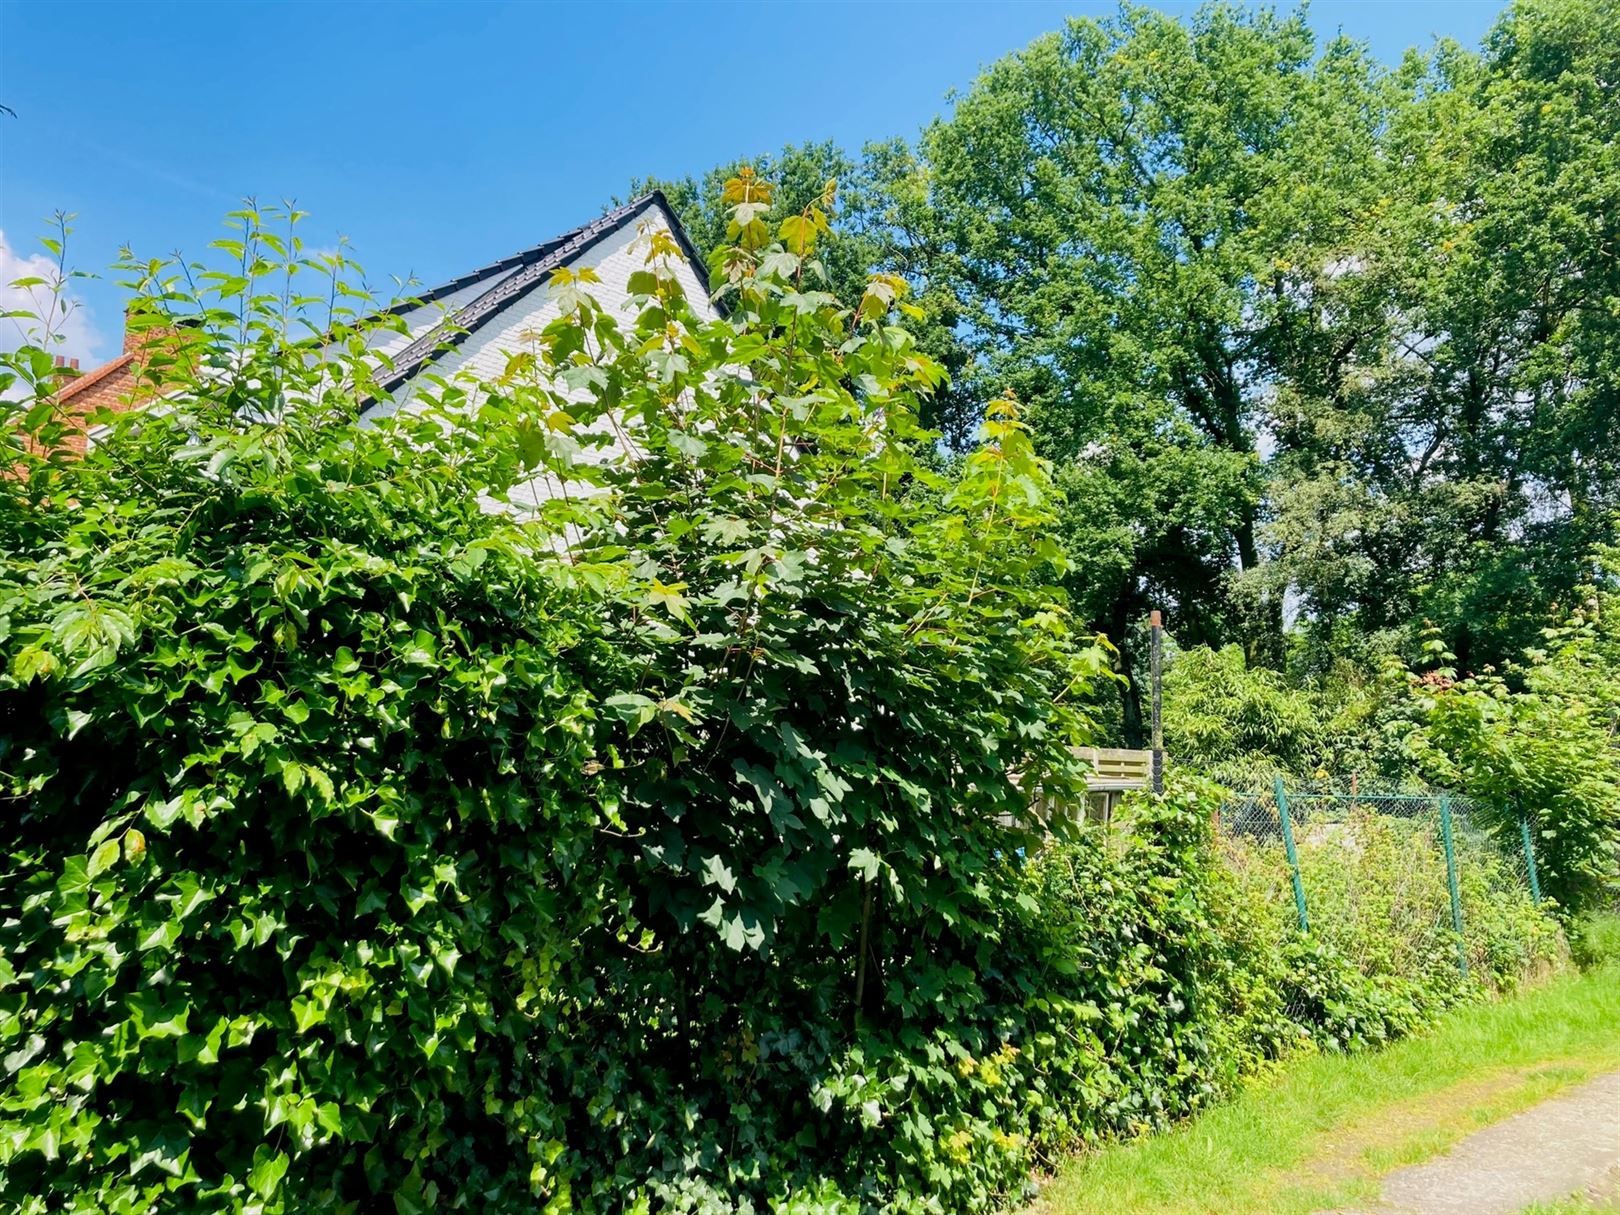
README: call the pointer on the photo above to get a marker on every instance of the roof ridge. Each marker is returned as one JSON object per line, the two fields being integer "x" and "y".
{"x": 94, "y": 376}
{"x": 511, "y": 261}
{"x": 557, "y": 252}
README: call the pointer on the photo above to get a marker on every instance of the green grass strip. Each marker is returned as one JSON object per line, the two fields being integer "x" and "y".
{"x": 1321, "y": 1131}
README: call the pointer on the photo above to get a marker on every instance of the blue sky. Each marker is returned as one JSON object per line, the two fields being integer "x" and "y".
{"x": 439, "y": 136}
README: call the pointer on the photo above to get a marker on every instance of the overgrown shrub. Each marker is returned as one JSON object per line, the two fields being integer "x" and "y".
{"x": 1243, "y": 724}
{"x": 300, "y": 754}
{"x": 1151, "y": 966}
{"x": 663, "y": 847}
{"x": 1220, "y": 715}
{"x": 1540, "y": 744}
{"x": 1151, "y": 970}
{"x": 1594, "y": 939}
{"x": 372, "y": 842}
{"x": 1128, "y": 988}
{"x": 1381, "y": 958}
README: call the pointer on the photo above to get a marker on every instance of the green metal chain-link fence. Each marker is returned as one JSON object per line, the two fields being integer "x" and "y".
{"x": 1400, "y": 883}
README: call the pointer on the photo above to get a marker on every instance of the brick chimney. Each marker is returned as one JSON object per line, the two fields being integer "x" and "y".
{"x": 136, "y": 336}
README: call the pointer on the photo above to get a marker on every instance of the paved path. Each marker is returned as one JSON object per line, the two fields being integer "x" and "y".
{"x": 1560, "y": 1147}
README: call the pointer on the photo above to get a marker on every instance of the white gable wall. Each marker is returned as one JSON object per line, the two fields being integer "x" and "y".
{"x": 419, "y": 321}
{"x": 483, "y": 354}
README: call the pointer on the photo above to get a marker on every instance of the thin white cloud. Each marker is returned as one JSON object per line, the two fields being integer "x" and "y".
{"x": 157, "y": 172}
{"x": 73, "y": 326}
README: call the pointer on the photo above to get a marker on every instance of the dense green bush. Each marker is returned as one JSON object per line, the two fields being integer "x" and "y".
{"x": 1539, "y": 743}
{"x": 665, "y": 847}
{"x": 1594, "y": 939}
{"x": 298, "y": 748}
{"x": 369, "y": 842}
{"x": 1219, "y": 715}
{"x": 1152, "y": 966}
{"x": 1149, "y": 971}
{"x": 1381, "y": 958}
{"x": 1243, "y": 723}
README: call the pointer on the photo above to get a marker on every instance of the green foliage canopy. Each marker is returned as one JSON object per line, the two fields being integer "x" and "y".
{"x": 375, "y": 839}
{"x": 1292, "y": 326}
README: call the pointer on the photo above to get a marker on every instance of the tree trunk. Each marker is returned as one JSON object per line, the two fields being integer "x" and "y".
{"x": 1130, "y": 693}
{"x": 1263, "y": 637}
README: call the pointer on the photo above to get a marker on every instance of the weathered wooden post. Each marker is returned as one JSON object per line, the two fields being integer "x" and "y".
{"x": 1156, "y": 623}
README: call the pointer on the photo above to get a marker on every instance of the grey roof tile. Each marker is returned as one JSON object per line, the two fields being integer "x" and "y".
{"x": 534, "y": 266}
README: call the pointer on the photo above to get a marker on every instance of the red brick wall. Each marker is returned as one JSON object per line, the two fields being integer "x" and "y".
{"x": 111, "y": 386}
{"x": 114, "y": 385}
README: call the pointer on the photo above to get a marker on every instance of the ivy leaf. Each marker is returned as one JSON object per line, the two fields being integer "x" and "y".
{"x": 156, "y": 1020}
{"x": 269, "y": 1167}
{"x": 421, "y": 650}
{"x": 717, "y": 873}
{"x": 161, "y": 936}
{"x": 108, "y": 852}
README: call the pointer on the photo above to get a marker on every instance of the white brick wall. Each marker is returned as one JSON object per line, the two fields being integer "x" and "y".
{"x": 420, "y": 320}
{"x": 483, "y": 354}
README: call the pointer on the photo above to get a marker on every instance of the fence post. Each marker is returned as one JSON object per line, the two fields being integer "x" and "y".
{"x": 1157, "y": 626}
{"x": 1529, "y": 856}
{"x": 1293, "y": 854}
{"x": 1451, "y": 883}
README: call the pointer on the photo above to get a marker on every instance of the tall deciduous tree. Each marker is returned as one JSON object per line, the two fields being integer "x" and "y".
{"x": 1295, "y": 329}
{"x": 1137, "y": 212}
{"x": 1473, "y": 463}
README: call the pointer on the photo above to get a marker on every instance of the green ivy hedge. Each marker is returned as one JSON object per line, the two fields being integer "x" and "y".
{"x": 374, "y": 840}
{"x": 370, "y": 842}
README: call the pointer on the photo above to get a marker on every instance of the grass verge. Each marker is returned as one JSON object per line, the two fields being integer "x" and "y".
{"x": 1577, "y": 1206}
{"x": 1321, "y": 1132}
